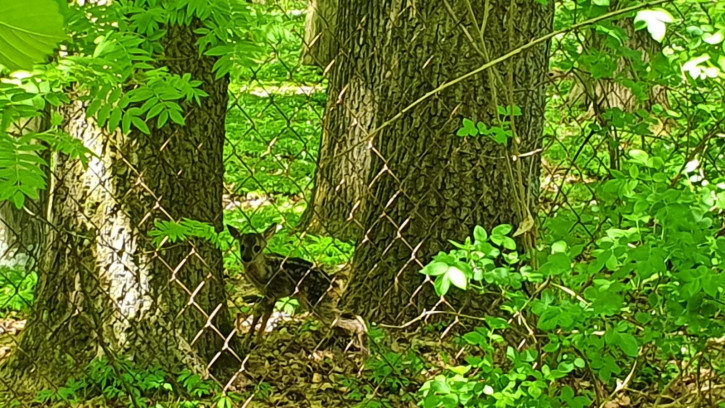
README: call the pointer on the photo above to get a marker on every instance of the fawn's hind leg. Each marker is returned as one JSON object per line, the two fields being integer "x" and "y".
{"x": 357, "y": 326}
{"x": 332, "y": 317}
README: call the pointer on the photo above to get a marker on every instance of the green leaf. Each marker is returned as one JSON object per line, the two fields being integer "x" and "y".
{"x": 29, "y": 31}
{"x": 503, "y": 229}
{"x": 480, "y": 234}
{"x": 628, "y": 344}
{"x": 549, "y": 319}
{"x": 559, "y": 247}
{"x": 19, "y": 200}
{"x": 639, "y": 156}
{"x": 474, "y": 338}
{"x": 556, "y": 264}
{"x": 115, "y": 119}
{"x": 509, "y": 243}
{"x": 469, "y": 129}
{"x": 140, "y": 125}
{"x": 435, "y": 269}
{"x": 442, "y": 285}
{"x": 601, "y": 3}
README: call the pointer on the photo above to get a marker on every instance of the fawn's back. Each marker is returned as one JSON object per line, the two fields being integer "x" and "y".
{"x": 277, "y": 276}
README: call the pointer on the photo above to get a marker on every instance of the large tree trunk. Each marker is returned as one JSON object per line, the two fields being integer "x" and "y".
{"x": 105, "y": 289}
{"x": 320, "y": 45}
{"x": 426, "y": 184}
{"x": 341, "y": 193}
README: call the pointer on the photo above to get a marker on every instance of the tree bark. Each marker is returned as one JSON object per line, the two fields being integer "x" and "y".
{"x": 426, "y": 185}
{"x": 320, "y": 46}
{"x": 105, "y": 289}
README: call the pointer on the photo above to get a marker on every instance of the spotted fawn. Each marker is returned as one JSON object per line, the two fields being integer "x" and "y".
{"x": 276, "y": 276}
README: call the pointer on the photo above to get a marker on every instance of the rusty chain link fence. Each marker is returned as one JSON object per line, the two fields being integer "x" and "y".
{"x": 354, "y": 133}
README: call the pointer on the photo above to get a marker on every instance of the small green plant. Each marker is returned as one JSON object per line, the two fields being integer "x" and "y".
{"x": 126, "y": 383}
{"x": 474, "y": 263}
{"x": 499, "y": 134}
{"x": 17, "y": 289}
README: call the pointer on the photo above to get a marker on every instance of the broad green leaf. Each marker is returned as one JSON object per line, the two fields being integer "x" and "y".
{"x": 29, "y": 31}
{"x": 468, "y": 129}
{"x": 435, "y": 269}
{"x": 140, "y": 125}
{"x": 503, "y": 229}
{"x": 549, "y": 319}
{"x": 558, "y": 247}
{"x": 442, "y": 285}
{"x": 712, "y": 39}
{"x": 639, "y": 156}
{"x": 628, "y": 344}
{"x": 480, "y": 234}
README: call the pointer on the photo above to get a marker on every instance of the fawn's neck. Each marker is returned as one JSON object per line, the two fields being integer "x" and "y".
{"x": 257, "y": 272}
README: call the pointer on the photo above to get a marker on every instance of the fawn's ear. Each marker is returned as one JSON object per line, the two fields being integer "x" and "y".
{"x": 269, "y": 232}
{"x": 235, "y": 232}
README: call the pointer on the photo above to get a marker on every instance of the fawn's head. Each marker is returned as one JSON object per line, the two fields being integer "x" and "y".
{"x": 252, "y": 244}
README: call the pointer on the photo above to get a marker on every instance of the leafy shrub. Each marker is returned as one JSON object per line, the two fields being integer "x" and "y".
{"x": 648, "y": 292}
{"x": 125, "y": 382}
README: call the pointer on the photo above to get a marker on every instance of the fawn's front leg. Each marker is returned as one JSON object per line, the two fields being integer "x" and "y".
{"x": 263, "y": 310}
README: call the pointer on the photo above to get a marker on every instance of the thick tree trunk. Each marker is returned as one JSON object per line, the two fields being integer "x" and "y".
{"x": 343, "y": 167}
{"x": 320, "y": 45}
{"x": 104, "y": 288}
{"x": 426, "y": 185}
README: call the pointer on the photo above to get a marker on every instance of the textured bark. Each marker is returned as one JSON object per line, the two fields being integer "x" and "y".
{"x": 426, "y": 185}
{"x": 320, "y": 45}
{"x": 104, "y": 288}
{"x": 341, "y": 190}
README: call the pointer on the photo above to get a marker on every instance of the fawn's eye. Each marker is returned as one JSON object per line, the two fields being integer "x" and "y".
{"x": 257, "y": 248}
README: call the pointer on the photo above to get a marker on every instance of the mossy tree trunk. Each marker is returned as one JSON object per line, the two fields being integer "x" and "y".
{"x": 425, "y": 185}
{"x": 105, "y": 289}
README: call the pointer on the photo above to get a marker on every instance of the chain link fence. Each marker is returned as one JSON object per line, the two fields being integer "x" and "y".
{"x": 351, "y": 136}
